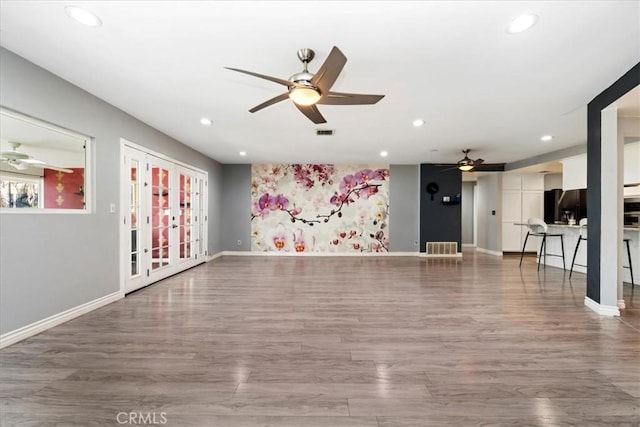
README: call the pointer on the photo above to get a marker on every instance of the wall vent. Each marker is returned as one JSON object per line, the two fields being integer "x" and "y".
{"x": 442, "y": 249}
{"x": 326, "y": 132}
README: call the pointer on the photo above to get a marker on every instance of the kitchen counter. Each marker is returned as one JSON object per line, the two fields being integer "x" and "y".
{"x": 571, "y": 234}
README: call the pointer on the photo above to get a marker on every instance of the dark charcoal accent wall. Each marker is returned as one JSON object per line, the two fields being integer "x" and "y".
{"x": 594, "y": 185}
{"x": 440, "y": 222}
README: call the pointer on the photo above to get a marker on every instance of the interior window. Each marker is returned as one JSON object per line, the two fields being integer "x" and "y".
{"x": 42, "y": 166}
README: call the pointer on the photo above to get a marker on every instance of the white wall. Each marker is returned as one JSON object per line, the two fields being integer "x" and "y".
{"x": 489, "y": 213}
{"x": 467, "y": 212}
{"x": 552, "y": 181}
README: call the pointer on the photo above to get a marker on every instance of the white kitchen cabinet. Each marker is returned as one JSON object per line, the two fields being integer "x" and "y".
{"x": 574, "y": 172}
{"x": 632, "y": 163}
{"x": 522, "y": 198}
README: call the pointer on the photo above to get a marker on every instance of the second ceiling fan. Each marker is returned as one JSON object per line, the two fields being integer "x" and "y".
{"x": 306, "y": 89}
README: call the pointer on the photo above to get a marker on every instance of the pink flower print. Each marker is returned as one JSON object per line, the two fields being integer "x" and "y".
{"x": 264, "y": 201}
{"x": 364, "y": 176}
{"x": 278, "y": 239}
{"x": 278, "y": 203}
{"x": 381, "y": 174}
{"x": 337, "y": 199}
{"x": 356, "y": 246}
{"x": 298, "y": 241}
{"x": 368, "y": 191}
{"x": 308, "y": 184}
{"x": 261, "y": 207}
{"x": 348, "y": 183}
{"x": 296, "y": 210}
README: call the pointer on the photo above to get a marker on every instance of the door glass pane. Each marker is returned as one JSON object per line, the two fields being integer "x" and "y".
{"x": 201, "y": 221}
{"x": 186, "y": 220}
{"x": 135, "y": 209}
{"x": 160, "y": 212}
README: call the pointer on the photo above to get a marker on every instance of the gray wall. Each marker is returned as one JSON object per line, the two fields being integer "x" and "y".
{"x": 552, "y": 181}
{"x": 53, "y": 262}
{"x": 489, "y": 190}
{"x": 236, "y": 207}
{"x": 404, "y": 208}
{"x": 467, "y": 212}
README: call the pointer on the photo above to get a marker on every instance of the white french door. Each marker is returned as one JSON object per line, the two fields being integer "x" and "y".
{"x": 164, "y": 225}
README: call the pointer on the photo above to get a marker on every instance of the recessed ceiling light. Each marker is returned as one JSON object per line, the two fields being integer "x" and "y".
{"x": 83, "y": 16}
{"x": 546, "y": 138}
{"x": 243, "y": 153}
{"x": 418, "y": 123}
{"x": 205, "y": 121}
{"x": 522, "y": 23}
{"x": 383, "y": 154}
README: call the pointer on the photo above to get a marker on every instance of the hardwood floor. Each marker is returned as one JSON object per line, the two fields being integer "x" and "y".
{"x": 380, "y": 341}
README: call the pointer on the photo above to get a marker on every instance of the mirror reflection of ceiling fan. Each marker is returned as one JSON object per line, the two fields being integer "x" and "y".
{"x": 22, "y": 161}
{"x": 306, "y": 89}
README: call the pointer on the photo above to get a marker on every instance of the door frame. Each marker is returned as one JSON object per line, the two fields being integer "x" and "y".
{"x": 124, "y": 196}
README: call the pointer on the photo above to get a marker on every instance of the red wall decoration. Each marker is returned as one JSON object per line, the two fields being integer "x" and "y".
{"x": 64, "y": 190}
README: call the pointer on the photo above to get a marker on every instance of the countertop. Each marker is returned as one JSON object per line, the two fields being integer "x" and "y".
{"x": 575, "y": 226}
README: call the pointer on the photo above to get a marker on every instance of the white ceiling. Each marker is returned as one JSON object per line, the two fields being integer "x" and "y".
{"x": 450, "y": 63}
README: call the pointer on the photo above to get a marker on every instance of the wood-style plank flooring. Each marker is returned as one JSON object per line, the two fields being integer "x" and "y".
{"x": 340, "y": 341}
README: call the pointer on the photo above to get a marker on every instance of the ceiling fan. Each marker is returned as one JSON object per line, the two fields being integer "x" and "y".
{"x": 306, "y": 89}
{"x": 22, "y": 161}
{"x": 467, "y": 164}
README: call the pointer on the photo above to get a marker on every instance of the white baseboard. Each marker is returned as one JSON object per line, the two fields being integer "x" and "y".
{"x": 489, "y": 252}
{"x": 468, "y": 245}
{"x": 57, "y": 319}
{"x": 603, "y": 310}
{"x": 214, "y": 256}
{"x": 316, "y": 254}
{"x": 621, "y": 304}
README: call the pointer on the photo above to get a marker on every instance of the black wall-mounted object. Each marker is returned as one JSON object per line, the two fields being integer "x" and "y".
{"x": 432, "y": 189}
{"x": 440, "y": 221}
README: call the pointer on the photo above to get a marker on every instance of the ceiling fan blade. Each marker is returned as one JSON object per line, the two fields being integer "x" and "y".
{"x": 269, "y": 102}
{"x": 312, "y": 113}
{"x": 338, "y": 98}
{"x": 329, "y": 71}
{"x": 262, "y": 76}
{"x": 478, "y": 162}
{"x": 449, "y": 169}
{"x": 48, "y": 166}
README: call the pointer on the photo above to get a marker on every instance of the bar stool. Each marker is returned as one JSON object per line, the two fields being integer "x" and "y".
{"x": 539, "y": 228}
{"x": 583, "y": 236}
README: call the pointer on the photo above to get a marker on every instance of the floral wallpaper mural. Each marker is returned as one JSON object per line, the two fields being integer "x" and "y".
{"x": 319, "y": 208}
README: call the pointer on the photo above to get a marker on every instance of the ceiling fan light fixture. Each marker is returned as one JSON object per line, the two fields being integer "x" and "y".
{"x": 305, "y": 95}
{"x": 465, "y": 167}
